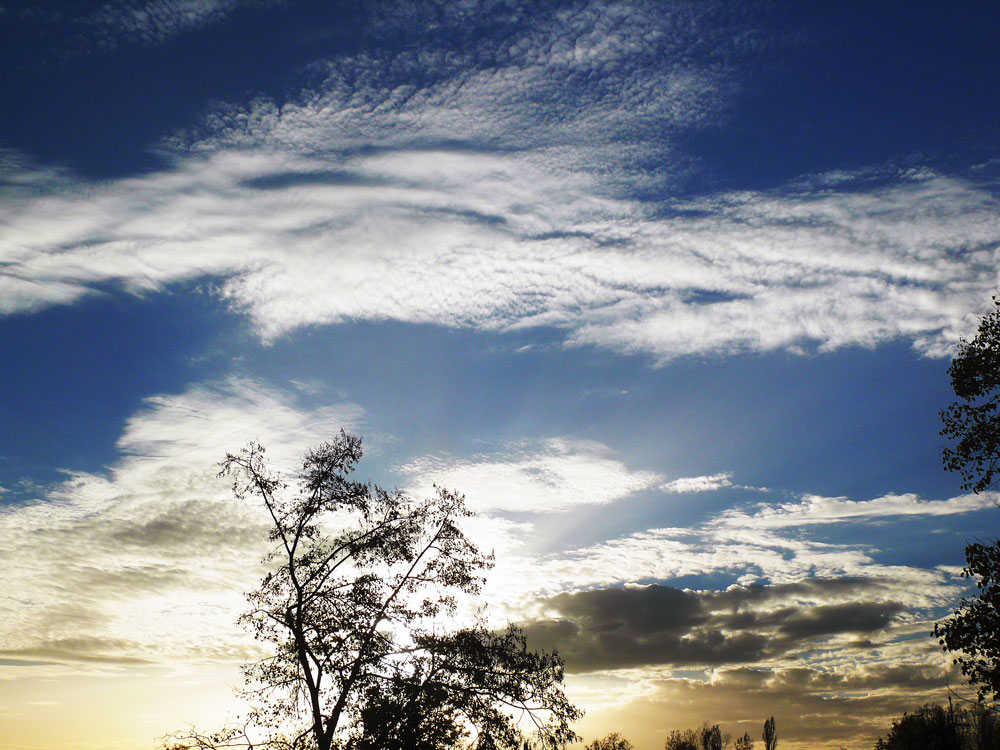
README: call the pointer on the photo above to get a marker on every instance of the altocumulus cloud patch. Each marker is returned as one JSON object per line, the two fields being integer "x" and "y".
{"x": 485, "y": 189}
{"x": 108, "y": 565}
{"x": 791, "y": 272}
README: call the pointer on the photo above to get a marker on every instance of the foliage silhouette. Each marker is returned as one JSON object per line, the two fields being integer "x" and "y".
{"x": 934, "y": 727}
{"x": 352, "y": 614}
{"x": 770, "y": 735}
{"x": 744, "y": 742}
{"x": 706, "y": 737}
{"x": 973, "y": 629}
{"x": 974, "y": 420}
{"x": 687, "y": 739}
{"x": 711, "y": 737}
{"x": 613, "y": 741}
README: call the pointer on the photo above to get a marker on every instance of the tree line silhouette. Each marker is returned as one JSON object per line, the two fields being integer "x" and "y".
{"x": 706, "y": 737}
{"x": 930, "y": 727}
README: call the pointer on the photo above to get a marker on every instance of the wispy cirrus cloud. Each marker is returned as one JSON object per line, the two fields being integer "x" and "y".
{"x": 816, "y": 510}
{"x": 705, "y": 483}
{"x": 668, "y": 554}
{"x": 586, "y": 87}
{"x": 511, "y": 185}
{"x": 469, "y": 240}
{"x": 154, "y": 21}
{"x": 553, "y": 476}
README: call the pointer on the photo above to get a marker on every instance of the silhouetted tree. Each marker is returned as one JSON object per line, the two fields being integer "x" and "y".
{"x": 706, "y": 737}
{"x": 744, "y": 742}
{"x": 770, "y": 735}
{"x": 973, "y": 630}
{"x": 686, "y": 740}
{"x": 983, "y": 727}
{"x": 974, "y": 420}
{"x": 357, "y": 663}
{"x": 711, "y": 737}
{"x": 934, "y": 727}
{"x": 974, "y": 627}
{"x": 613, "y": 741}
{"x": 931, "y": 727}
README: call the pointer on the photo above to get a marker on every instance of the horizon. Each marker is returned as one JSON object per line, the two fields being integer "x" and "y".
{"x": 668, "y": 291}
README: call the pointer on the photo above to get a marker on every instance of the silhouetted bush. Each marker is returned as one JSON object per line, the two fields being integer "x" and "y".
{"x": 934, "y": 727}
{"x": 706, "y": 737}
{"x": 678, "y": 740}
{"x": 613, "y": 741}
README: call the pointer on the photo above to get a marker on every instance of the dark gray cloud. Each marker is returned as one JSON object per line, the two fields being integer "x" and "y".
{"x": 660, "y": 625}
{"x": 795, "y": 623}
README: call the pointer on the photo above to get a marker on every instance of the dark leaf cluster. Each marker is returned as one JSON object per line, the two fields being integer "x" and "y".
{"x": 934, "y": 727}
{"x": 613, "y": 741}
{"x": 973, "y": 630}
{"x": 974, "y": 421}
{"x": 706, "y": 737}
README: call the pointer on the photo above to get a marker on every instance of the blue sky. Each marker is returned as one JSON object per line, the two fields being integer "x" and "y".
{"x": 669, "y": 290}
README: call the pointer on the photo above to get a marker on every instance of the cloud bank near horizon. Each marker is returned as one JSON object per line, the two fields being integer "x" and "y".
{"x": 158, "y": 540}
{"x": 160, "y": 527}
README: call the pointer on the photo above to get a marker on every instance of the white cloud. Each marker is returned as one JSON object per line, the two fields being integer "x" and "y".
{"x": 157, "y": 20}
{"x": 610, "y": 75}
{"x": 473, "y": 241}
{"x": 555, "y": 476}
{"x": 706, "y": 483}
{"x": 815, "y": 509}
{"x": 698, "y": 484}
{"x": 148, "y": 562}
{"x": 764, "y": 543}
{"x": 127, "y": 22}
{"x": 431, "y": 186}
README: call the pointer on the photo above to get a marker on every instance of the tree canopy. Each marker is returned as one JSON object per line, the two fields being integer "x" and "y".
{"x": 613, "y": 741}
{"x": 770, "y": 735}
{"x": 687, "y": 739}
{"x": 361, "y": 580}
{"x": 934, "y": 727}
{"x": 974, "y": 420}
{"x": 973, "y": 630}
{"x": 706, "y": 737}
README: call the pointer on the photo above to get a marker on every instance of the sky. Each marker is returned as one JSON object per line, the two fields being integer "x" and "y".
{"x": 668, "y": 290}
